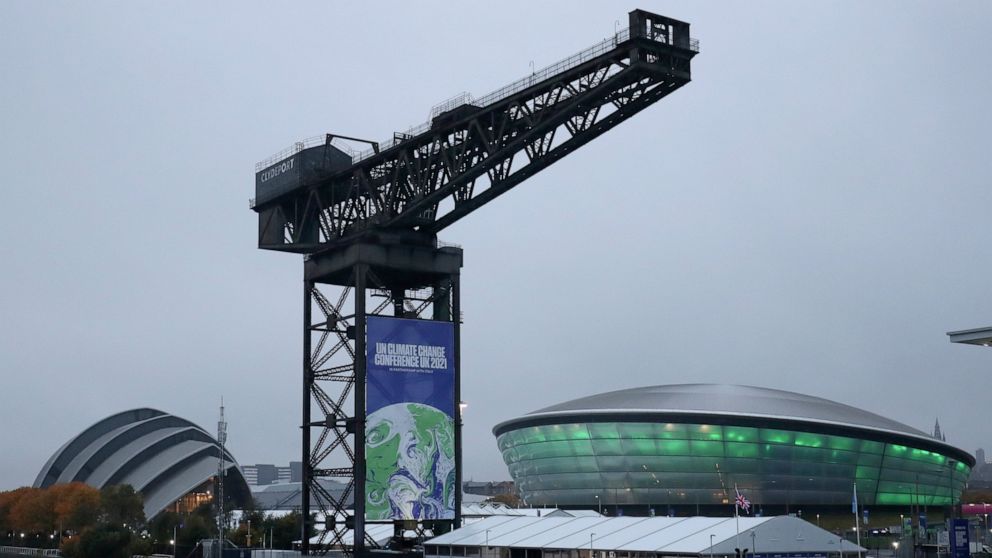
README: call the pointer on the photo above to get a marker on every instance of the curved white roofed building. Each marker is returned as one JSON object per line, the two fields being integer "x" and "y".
{"x": 170, "y": 460}
{"x": 687, "y": 445}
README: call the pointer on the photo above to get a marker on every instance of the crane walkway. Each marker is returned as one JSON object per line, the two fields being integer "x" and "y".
{"x": 547, "y": 73}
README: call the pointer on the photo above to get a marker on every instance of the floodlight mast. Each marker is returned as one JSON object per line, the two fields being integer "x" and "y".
{"x": 368, "y": 223}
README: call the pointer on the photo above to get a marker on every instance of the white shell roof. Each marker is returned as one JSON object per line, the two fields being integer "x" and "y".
{"x": 161, "y": 455}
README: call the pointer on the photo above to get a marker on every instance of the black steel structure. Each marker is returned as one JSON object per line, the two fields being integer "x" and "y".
{"x": 368, "y": 223}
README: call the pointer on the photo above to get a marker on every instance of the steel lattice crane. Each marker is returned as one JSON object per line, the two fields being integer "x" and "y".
{"x": 368, "y": 221}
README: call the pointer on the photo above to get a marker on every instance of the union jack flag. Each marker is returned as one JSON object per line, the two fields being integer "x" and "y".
{"x": 742, "y": 502}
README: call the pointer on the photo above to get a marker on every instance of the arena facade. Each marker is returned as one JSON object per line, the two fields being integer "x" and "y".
{"x": 662, "y": 449}
{"x": 172, "y": 462}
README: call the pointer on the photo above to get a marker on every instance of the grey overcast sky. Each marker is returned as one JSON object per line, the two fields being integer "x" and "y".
{"x": 811, "y": 213}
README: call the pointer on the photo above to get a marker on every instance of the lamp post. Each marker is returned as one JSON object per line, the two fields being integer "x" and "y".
{"x": 487, "y": 540}
{"x": 175, "y": 539}
{"x": 591, "y": 535}
{"x": 599, "y": 504}
{"x": 985, "y": 509}
{"x": 711, "y": 544}
{"x": 950, "y": 486}
{"x": 752, "y": 543}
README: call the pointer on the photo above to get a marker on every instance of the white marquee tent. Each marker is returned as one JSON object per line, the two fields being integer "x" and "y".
{"x": 619, "y": 537}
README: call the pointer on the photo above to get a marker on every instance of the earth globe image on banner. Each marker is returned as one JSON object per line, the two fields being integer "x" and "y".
{"x": 410, "y": 463}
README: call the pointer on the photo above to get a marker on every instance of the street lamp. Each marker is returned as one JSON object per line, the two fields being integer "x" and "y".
{"x": 599, "y": 505}
{"x": 950, "y": 487}
{"x": 711, "y": 544}
{"x": 175, "y": 538}
{"x": 487, "y": 540}
{"x": 752, "y": 543}
{"x": 591, "y": 535}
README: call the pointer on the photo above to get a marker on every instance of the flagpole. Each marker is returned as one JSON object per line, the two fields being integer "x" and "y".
{"x": 737, "y": 517}
{"x": 857, "y": 520}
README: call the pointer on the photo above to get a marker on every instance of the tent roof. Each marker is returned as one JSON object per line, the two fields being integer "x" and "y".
{"x": 672, "y": 535}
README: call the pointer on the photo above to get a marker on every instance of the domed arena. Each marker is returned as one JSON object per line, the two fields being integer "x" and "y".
{"x": 685, "y": 447}
{"x": 172, "y": 462}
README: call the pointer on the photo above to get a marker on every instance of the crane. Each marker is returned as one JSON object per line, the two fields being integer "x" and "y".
{"x": 367, "y": 223}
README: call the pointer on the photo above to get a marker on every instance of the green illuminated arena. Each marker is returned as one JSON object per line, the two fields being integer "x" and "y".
{"x": 689, "y": 445}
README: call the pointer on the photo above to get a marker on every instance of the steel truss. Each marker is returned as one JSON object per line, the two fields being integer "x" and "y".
{"x": 369, "y": 226}
{"x": 471, "y": 154}
{"x": 335, "y": 314}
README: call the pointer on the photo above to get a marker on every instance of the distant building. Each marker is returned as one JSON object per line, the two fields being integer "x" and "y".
{"x": 980, "y": 457}
{"x": 490, "y": 489}
{"x": 937, "y": 433}
{"x": 262, "y": 474}
{"x": 286, "y": 496}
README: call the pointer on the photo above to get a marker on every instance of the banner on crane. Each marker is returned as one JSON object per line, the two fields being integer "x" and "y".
{"x": 410, "y": 422}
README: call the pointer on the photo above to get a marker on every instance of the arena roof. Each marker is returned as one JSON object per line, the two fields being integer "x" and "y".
{"x": 726, "y": 400}
{"x": 160, "y": 455}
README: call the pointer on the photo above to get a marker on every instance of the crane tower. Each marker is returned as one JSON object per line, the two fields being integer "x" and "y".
{"x": 381, "y": 293}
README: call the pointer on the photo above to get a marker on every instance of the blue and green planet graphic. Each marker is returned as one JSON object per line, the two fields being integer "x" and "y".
{"x": 409, "y": 430}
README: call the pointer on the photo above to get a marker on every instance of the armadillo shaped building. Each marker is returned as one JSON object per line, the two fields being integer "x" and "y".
{"x": 172, "y": 462}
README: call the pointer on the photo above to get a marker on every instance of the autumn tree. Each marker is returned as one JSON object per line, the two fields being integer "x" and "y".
{"x": 34, "y": 512}
{"x": 77, "y": 505}
{"x": 8, "y": 500}
{"x": 976, "y": 496}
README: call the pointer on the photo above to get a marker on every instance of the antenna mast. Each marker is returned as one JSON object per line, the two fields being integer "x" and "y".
{"x": 221, "y": 470}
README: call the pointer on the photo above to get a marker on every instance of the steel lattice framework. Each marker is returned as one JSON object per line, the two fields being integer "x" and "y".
{"x": 368, "y": 224}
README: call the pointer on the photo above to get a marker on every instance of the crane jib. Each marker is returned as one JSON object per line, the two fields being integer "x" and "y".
{"x": 471, "y": 150}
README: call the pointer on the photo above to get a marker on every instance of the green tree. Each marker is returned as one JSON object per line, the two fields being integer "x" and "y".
{"x": 257, "y": 520}
{"x": 286, "y": 529}
{"x": 111, "y": 540}
{"x": 121, "y": 505}
{"x": 161, "y": 530}
{"x": 196, "y": 527}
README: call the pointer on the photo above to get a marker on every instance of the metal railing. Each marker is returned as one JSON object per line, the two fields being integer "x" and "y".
{"x": 22, "y": 551}
{"x": 508, "y": 90}
{"x": 307, "y": 143}
{"x": 458, "y": 100}
{"x": 464, "y": 98}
